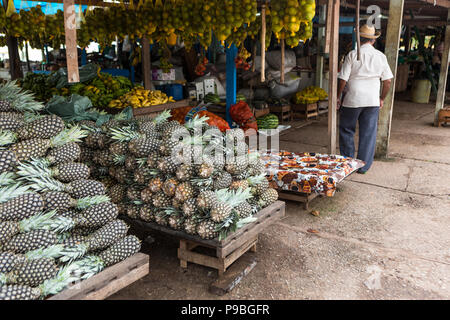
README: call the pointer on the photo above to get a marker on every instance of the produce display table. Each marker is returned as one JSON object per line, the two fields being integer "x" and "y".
{"x": 304, "y": 176}
{"x": 109, "y": 281}
{"x": 153, "y": 111}
{"x": 224, "y": 252}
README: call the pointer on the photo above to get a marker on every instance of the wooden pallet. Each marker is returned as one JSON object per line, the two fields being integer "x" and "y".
{"x": 444, "y": 116}
{"x": 305, "y": 198}
{"x": 153, "y": 111}
{"x": 284, "y": 113}
{"x": 261, "y": 112}
{"x": 305, "y": 111}
{"x": 109, "y": 281}
{"x": 226, "y": 251}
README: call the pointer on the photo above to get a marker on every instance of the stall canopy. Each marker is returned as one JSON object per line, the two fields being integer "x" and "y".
{"x": 47, "y": 7}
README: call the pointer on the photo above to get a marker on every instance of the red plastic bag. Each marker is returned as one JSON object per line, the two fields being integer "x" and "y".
{"x": 243, "y": 116}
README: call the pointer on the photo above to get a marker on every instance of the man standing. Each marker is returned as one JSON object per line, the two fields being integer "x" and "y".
{"x": 363, "y": 98}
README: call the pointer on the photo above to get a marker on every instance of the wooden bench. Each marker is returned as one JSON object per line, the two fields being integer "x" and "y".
{"x": 108, "y": 281}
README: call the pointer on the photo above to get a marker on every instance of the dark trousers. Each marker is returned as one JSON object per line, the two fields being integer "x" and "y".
{"x": 368, "y": 123}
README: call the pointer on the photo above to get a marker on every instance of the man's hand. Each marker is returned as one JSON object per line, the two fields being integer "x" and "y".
{"x": 338, "y": 104}
{"x": 381, "y": 103}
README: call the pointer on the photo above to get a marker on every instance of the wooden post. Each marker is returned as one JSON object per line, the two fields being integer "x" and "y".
{"x": 333, "y": 65}
{"x": 254, "y": 55}
{"x": 320, "y": 46}
{"x": 146, "y": 63}
{"x": 27, "y": 57}
{"x": 440, "y": 98}
{"x": 70, "y": 26}
{"x": 263, "y": 43}
{"x": 328, "y": 26}
{"x": 391, "y": 51}
{"x": 358, "y": 38}
{"x": 282, "y": 61}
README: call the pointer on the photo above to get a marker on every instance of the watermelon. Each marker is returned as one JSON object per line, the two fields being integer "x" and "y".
{"x": 269, "y": 121}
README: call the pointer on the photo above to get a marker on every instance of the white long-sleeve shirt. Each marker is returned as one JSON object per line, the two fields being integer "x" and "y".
{"x": 363, "y": 77}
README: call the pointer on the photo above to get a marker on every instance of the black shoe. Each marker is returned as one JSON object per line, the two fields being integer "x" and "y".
{"x": 361, "y": 172}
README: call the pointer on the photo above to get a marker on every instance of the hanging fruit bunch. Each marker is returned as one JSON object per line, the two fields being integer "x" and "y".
{"x": 241, "y": 59}
{"x": 201, "y": 66}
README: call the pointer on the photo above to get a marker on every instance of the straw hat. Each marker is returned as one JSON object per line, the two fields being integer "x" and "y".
{"x": 368, "y": 32}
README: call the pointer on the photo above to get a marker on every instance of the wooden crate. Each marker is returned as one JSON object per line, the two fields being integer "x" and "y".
{"x": 109, "y": 281}
{"x": 305, "y": 198}
{"x": 284, "y": 112}
{"x": 153, "y": 111}
{"x": 225, "y": 251}
{"x": 444, "y": 116}
{"x": 305, "y": 111}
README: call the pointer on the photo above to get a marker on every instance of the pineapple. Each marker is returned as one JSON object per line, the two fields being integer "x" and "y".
{"x": 73, "y": 240}
{"x": 146, "y": 195}
{"x": 184, "y": 191}
{"x": 94, "y": 216}
{"x": 244, "y": 210}
{"x": 131, "y": 163}
{"x": 167, "y": 165}
{"x": 119, "y": 251}
{"x": 206, "y": 229}
{"x": 19, "y": 292}
{"x": 21, "y": 207}
{"x": 100, "y": 239}
{"x": 162, "y": 218}
{"x": 121, "y": 174}
{"x": 206, "y": 200}
{"x": 77, "y": 189}
{"x": 155, "y": 184}
{"x": 8, "y": 161}
{"x": 138, "y": 144}
{"x": 9, "y": 260}
{"x": 8, "y": 229}
{"x": 86, "y": 154}
{"x": 31, "y": 240}
{"x": 258, "y": 184}
{"x": 169, "y": 187}
{"x": 243, "y": 184}
{"x": 11, "y": 121}
{"x": 152, "y": 160}
{"x": 65, "y": 172}
{"x": 161, "y": 200}
{"x": 133, "y": 211}
{"x": 184, "y": 172}
{"x": 31, "y": 273}
{"x": 61, "y": 201}
{"x": 44, "y": 127}
{"x": 14, "y": 98}
{"x": 189, "y": 207}
{"x": 220, "y": 211}
{"x": 96, "y": 140}
{"x": 66, "y": 153}
{"x": 118, "y": 148}
{"x": 222, "y": 181}
{"x": 268, "y": 197}
{"x": 238, "y": 166}
{"x": 177, "y": 204}
{"x": 116, "y": 193}
{"x": 205, "y": 170}
{"x": 147, "y": 213}
{"x": 134, "y": 193}
{"x": 190, "y": 225}
{"x": 37, "y": 147}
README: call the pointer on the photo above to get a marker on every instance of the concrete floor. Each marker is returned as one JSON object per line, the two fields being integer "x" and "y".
{"x": 385, "y": 235}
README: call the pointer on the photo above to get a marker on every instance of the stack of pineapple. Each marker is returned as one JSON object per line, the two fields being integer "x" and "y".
{"x": 57, "y": 225}
{"x": 216, "y": 186}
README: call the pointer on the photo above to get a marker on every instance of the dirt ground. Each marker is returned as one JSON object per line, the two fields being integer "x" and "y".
{"x": 385, "y": 235}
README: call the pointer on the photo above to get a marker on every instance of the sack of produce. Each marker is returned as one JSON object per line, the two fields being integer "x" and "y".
{"x": 290, "y": 86}
{"x": 243, "y": 116}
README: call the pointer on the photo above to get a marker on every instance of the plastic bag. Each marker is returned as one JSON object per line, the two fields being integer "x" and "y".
{"x": 273, "y": 58}
{"x": 87, "y": 72}
{"x": 290, "y": 86}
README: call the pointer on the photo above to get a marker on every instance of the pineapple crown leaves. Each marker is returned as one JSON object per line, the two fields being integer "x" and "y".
{"x": 45, "y": 184}
{"x": 34, "y": 168}
{"x": 21, "y": 100}
{"x": 7, "y": 178}
{"x": 119, "y": 159}
{"x": 169, "y": 211}
{"x": 10, "y": 192}
{"x": 229, "y": 225}
{"x": 91, "y": 129}
{"x": 64, "y": 277}
{"x": 53, "y": 252}
{"x": 7, "y": 137}
{"x": 253, "y": 156}
{"x": 162, "y": 117}
{"x": 243, "y": 222}
{"x": 125, "y": 134}
{"x": 202, "y": 182}
{"x": 31, "y": 116}
{"x": 255, "y": 180}
{"x": 38, "y": 221}
{"x": 141, "y": 162}
{"x": 196, "y": 122}
{"x": 72, "y": 253}
{"x": 86, "y": 202}
{"x": 59, "y": 224}
{"x": 73, "y": 134}
{"x": 88, "y": 266}
{"x": 234, "y": 197}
